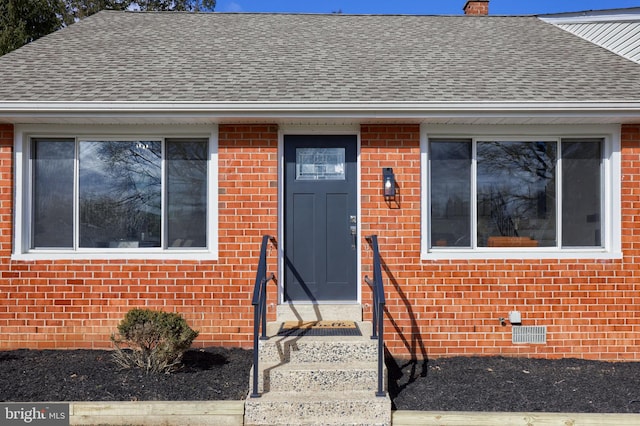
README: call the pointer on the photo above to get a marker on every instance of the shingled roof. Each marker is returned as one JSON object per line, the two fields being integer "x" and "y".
{"x": 244, "y": 58}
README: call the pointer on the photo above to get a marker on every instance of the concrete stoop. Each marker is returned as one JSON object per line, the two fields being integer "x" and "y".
{"x": 316, "y": 380}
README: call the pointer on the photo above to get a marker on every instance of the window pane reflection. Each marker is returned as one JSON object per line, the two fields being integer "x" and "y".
{"x": 120, "y": 194}
{"x": 581, "y": 169}
{"x": 53, "y": 161}
{"x": 187, "y": 193}
{"x": 450, "y": 193}
{"x": 516, "y": 194}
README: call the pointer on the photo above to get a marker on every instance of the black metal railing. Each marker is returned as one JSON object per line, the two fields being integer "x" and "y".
{"x": 259, "y": 303}
{"x": 378, "y": 310}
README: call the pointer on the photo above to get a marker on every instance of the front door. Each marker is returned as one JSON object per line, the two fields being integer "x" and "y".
{"x": 320, "y": 226}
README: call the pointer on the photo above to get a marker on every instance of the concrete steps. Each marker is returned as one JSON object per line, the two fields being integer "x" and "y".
{"x": 317, "y": 377}
{"x": 335, "y": 408}
{"x": 318, "y": 380}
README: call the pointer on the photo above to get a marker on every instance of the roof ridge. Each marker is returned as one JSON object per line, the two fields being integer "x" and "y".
{"x": 201, "y": 13}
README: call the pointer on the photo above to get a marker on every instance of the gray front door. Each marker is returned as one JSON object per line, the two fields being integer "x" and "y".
{"x": 320, "y": 251}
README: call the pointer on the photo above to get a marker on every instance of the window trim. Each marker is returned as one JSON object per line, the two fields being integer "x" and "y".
{"x": 611, "y": 189}
{"x": 23, "y": 190}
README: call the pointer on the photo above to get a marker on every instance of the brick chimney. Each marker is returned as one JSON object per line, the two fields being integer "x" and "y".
{"x": 476, "y": 7}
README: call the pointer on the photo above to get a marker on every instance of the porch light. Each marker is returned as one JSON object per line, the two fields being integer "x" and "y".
{"x": 388, "y": 183}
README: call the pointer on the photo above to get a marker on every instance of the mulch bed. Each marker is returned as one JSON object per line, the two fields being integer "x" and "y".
{"x": 91, "y": 375}
{"x": 450, "y": 384}
{"x": 515, "y": 384}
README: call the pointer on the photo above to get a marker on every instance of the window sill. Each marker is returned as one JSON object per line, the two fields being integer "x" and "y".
{"x": 518, "y": 253}
{"x": 117, "y": 255}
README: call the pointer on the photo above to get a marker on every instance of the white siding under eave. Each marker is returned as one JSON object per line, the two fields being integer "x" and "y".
{"x": 622, "y": 38}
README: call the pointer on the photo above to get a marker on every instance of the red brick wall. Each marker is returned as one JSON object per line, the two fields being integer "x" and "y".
{"x": 6, "y": 189}
{"x": 442, "y": 308}
{"x": 248, "y": 209}
{"x": 78, "y": 304}
{"x": 435, "y": 308}
{"x": 10, "y": 309}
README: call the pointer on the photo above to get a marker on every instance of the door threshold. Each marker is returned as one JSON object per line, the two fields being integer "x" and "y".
{"x": 316, "y": 312}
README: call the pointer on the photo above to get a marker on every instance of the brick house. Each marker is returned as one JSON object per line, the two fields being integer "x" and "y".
{"x": 144, "y": 156}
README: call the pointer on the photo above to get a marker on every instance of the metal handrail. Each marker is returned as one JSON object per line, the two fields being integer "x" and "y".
{"x": 259, "y": 303}
{"x": 378, "y": 310}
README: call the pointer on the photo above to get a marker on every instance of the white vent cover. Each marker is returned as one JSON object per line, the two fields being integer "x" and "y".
{"x": 529, "y": 334}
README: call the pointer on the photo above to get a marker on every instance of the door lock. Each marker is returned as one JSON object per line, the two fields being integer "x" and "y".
{"x": 353, "y": 227}
{"x": 353, "y": 222}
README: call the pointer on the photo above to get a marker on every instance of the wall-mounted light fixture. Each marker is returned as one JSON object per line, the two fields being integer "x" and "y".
{"x": 388, "y": 183}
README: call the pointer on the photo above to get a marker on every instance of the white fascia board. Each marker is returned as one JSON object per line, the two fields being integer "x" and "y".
{"x": 318, "y": 110}
{"x": 591, "y": 16}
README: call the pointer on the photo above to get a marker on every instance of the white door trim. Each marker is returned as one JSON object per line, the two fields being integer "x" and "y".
{"x": 315, "y": 130}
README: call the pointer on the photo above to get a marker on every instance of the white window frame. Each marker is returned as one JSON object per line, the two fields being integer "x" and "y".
{"x": 23, "y": 134}
{"x": 611, "y": 224}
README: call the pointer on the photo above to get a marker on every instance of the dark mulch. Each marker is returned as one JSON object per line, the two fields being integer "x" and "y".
{"x": 515, "y": 384}
{"x": 450, "y": 384}
{"x": 91, "y": 375}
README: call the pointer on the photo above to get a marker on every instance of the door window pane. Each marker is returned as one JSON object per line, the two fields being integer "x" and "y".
{"x": 450, "y": 168}
{"x": 120, "y": 193}
{"x": 581, "y": 193}
{"x": 186, "y": 193}
{"x": 516, "y": 193}
{"x": 320, "y": 164}
{"x": 53, "y": 161}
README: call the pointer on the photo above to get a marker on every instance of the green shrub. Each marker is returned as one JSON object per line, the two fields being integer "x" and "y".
{"x": 152, "y": 340}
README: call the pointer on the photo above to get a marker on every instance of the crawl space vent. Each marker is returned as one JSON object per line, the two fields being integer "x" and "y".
{"x": 529, "y": 334}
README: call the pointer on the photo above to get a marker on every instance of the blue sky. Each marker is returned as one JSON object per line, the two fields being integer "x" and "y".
{"x": 419, "y": 7}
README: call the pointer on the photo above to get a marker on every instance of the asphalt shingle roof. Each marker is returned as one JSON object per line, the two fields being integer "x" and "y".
{"x": 190, "y": 57}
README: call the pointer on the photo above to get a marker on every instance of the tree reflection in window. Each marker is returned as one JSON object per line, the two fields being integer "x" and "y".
{"x": 120, "y": 193}
{"x": 516, "y": 191}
